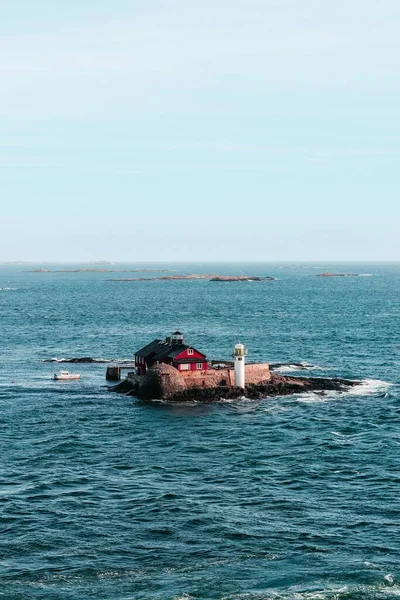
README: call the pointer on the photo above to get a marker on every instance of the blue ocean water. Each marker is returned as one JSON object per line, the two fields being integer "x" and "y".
{"x": 105, "y": 497}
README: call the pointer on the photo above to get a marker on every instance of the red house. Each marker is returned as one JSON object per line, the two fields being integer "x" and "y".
{"x": 171, "y": 352}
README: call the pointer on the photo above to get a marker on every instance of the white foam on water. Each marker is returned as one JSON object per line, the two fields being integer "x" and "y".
{"x": 289, "y": 368}
{"x": 331, "y": 593}
{"x": 367, "y": 387}
{"x": 240, "y": 399}
{"x": 314, "y": 397}
{"x": 7, "y": 289}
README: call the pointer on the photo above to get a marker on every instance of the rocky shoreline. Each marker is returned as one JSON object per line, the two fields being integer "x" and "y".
{"x": 277, "y": 386}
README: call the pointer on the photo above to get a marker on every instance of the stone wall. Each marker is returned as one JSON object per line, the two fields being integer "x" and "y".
{"x": 256, "y": 373}
{"x": 210, "y": 379}
{"x": 163, "y": 381}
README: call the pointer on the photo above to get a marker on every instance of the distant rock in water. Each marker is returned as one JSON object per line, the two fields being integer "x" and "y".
{"x": 338, "y": 275}
{"x": 98, "y": 270}
{"x": 241, "y": 278}
{"x": 40, "y": 271}
{"x": 125, "y": 387}
{"x": 84, "y": 359}
{"x": 280, "y": 366}
{"x": 198, "y": 276}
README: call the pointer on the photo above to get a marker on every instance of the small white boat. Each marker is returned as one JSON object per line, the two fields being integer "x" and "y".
{"x": 65, "y": 375}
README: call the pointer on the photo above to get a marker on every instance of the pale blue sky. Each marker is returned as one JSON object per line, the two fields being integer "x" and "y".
{"x": 198, "y": 130}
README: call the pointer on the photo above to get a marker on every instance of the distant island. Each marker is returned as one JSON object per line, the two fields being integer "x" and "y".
{"x": 97, "y": 270}
{"x": 208, "y": 277}
{"x": 339, "y": 275}
{"x": 241, "y": 278}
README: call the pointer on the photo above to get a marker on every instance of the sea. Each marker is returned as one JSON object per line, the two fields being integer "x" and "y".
{"x": 106, "y": 497}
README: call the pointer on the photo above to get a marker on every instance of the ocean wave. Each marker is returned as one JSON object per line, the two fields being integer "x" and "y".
{"x": 368, "y": 592}
{"x": 292, "y": 367}
{"x": 366, "y": 387}
{"x": 7, "y": 289}
{"x": 370, "y": 387}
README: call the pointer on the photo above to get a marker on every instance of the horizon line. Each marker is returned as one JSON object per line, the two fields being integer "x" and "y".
{"x": 209, "y": 261}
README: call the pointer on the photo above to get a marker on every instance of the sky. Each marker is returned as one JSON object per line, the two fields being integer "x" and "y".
{"x": 136, "y": 130}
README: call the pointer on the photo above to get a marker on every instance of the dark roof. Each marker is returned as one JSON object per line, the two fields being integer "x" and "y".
{"x": 149, "y": 349}
{"x": 157, "y": 350}
{"x": 170, "y": 350}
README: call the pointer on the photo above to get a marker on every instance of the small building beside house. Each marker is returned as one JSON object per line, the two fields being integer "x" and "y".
{"x": 173, "y": 351}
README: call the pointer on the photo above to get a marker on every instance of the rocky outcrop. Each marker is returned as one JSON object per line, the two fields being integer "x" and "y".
{"x": 96, "y": 270}
{"x": 276, "y": 386}
{"x": 125, "y": 387}
{"x": 83, "y": 359}
{"x": 338, "y": 275}
{"x": 165, "y": 382}
{"x": 201, "y": 276}
{"x": 241, "y": 278}
{"x": 161, "y": 381}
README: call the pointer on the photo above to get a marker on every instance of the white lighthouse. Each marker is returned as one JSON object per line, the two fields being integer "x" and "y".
{"x": 239, "y": 354}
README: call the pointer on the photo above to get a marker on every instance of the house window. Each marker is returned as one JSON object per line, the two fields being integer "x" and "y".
{"x": 190, "y": 351}
{"x": 184, "y": 367}
{"x": 199, "y": 365}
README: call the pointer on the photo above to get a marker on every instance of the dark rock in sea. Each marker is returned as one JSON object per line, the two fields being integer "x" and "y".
{"x": 338, "y": 275}
{"x": 241, "y": 278}
{"x": 125, "y": 387}
{"x": 84, "y": 359}
{"x": 299, "y": 366}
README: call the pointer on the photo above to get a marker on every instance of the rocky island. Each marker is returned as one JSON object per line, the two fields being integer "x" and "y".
{"x": 163, "y": 382}
{"x": 98, "y": 270}
{"x": 170, "y": 369}
{"x": 338, "y": 275}
{"x": 241, "y": 278}
{"x": 201, "y": 276}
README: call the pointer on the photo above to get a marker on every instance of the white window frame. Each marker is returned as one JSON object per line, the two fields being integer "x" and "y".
{"x": 199, "y": 366}
{"x": 190, "y": 351}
